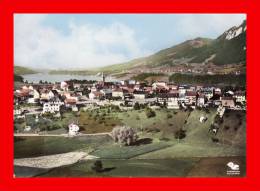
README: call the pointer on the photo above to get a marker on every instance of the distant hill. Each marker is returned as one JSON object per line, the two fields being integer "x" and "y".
{"x": 228, "y": 49}
{"x": 20, "y": 70}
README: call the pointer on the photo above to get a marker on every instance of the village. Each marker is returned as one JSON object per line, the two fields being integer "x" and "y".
{"x": 49, "y": 99}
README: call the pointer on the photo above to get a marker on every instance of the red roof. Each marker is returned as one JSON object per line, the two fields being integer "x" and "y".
{"x": 70, "y": 101}
{"x": 191, "y": 93}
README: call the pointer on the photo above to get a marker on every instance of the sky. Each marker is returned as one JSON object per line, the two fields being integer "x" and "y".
{"x": 82, "y": 41}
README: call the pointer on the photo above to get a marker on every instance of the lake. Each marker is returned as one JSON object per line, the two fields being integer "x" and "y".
{"x": 35, "y": 78}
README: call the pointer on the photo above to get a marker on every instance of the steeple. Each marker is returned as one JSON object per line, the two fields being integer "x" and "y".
{"x": 103, "y": 77}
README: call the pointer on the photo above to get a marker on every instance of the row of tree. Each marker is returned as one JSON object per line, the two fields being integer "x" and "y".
{"x": 229, "y": 79}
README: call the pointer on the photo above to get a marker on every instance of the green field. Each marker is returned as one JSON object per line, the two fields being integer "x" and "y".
{"x": 39, "y": 146}
{"x": 181, "y": 167}
{"x": 156, "y": 153}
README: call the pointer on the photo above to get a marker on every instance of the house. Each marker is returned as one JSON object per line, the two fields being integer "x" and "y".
{"x": 139, "y": 94}
{"x": 148, "y": 89}
{"x": 77, "y": 86}
{"x": 17, "y": 111}
{"x": 227, "y": 102}
{"x": 74, "y": 108}
{"x": 52, "y": 107}
{"x": 162, "y": 98}
{"x": 36, "y": 94}
{"x": 190, "y": 97}
{"x": 64, "y": 86}
{"x": 182, "y": 91}
{"x": 159, "y": 85}
{"x": 70, "y": 102}
{"x": 217, "y": 91}
{"x": 118, "y": 93}
{"x": 95, "y": 95}
{"x": 131, "y": 82}
{"x": 173, "y": 101}
{"x": 240, "y": 96}
{"x": 73, "y": 129}
{"x": 46, "y": 94}
{"x": 201, "y": 100}
{"x": 208, "y": 92}
{"x": 172, "y": 86}
{"x": 107, "y": 93}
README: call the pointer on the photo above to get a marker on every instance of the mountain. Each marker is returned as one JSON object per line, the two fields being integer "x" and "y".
{"x": 225, "y": 54}
{"x": 228, "y": 48}
{"x": 20, "y": 70}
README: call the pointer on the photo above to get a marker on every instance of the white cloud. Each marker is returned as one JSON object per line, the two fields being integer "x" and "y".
{"x": 201, "y": 25}
{"x": 85, "y": 46}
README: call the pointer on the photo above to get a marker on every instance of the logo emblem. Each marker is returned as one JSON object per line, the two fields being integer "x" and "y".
{"x": 233, "y": 168}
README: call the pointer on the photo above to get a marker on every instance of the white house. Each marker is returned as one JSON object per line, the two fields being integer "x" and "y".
{"x": 190, "y": 97}
{"x": 95, "y": 95}
{"x": 227, "y": 102}
{"x": 139, "y": 94}
{"x": 64, "y": 86}
{"x": 182, "y": 91}
{"x": 156, "y": 85}
{"x": 52, "y": 107}
{"x": 17, "y": 111}
{"x": 36, "y": 94}
{"x": 47, "y": 95}
{"x": 73, "y": 129}
{"x": 173, "y": 101}
{"x": 74, "y": 108}
{"x": 118, "y": 93}
{"x": 240, "y": 96}
{"x": 201, "y": 100}
{"x": 31, "y": 100}
{"x": 217, "y": 91}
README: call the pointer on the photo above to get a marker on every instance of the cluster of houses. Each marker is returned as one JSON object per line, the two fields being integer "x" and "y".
{"x": 50, "y": 97}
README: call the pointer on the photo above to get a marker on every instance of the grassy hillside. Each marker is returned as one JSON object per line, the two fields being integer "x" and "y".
{"x": 20, "y": 70}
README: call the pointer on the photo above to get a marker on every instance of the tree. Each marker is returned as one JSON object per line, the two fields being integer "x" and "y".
{"x": 180, "y": 134}
{"x": 169, "y": 115}
{"x": 136, "y": 106}
{"x": 150, "y": 113}
{"x": 97, "y": 166}
{"x": 124, "y": 135}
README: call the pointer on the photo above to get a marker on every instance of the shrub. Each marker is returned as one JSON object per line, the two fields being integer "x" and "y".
{"x": 169, "y": 116}
{"x": 150, "y": 113}
{"x": 218, "y": 119}
{"x": 226, "y": 127}
{"x": 97, "y": 166}
{"x": 238, "y": 116}
{"x": 180, "y": 134}
{"x": 136, "y": 106}
{"x": 214, "y": 140}
{"x": 54, "y": 126}
{"x": 124, "y": 135}
{"x": 19, "y": 120}
{"x": 152, "y": 130}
